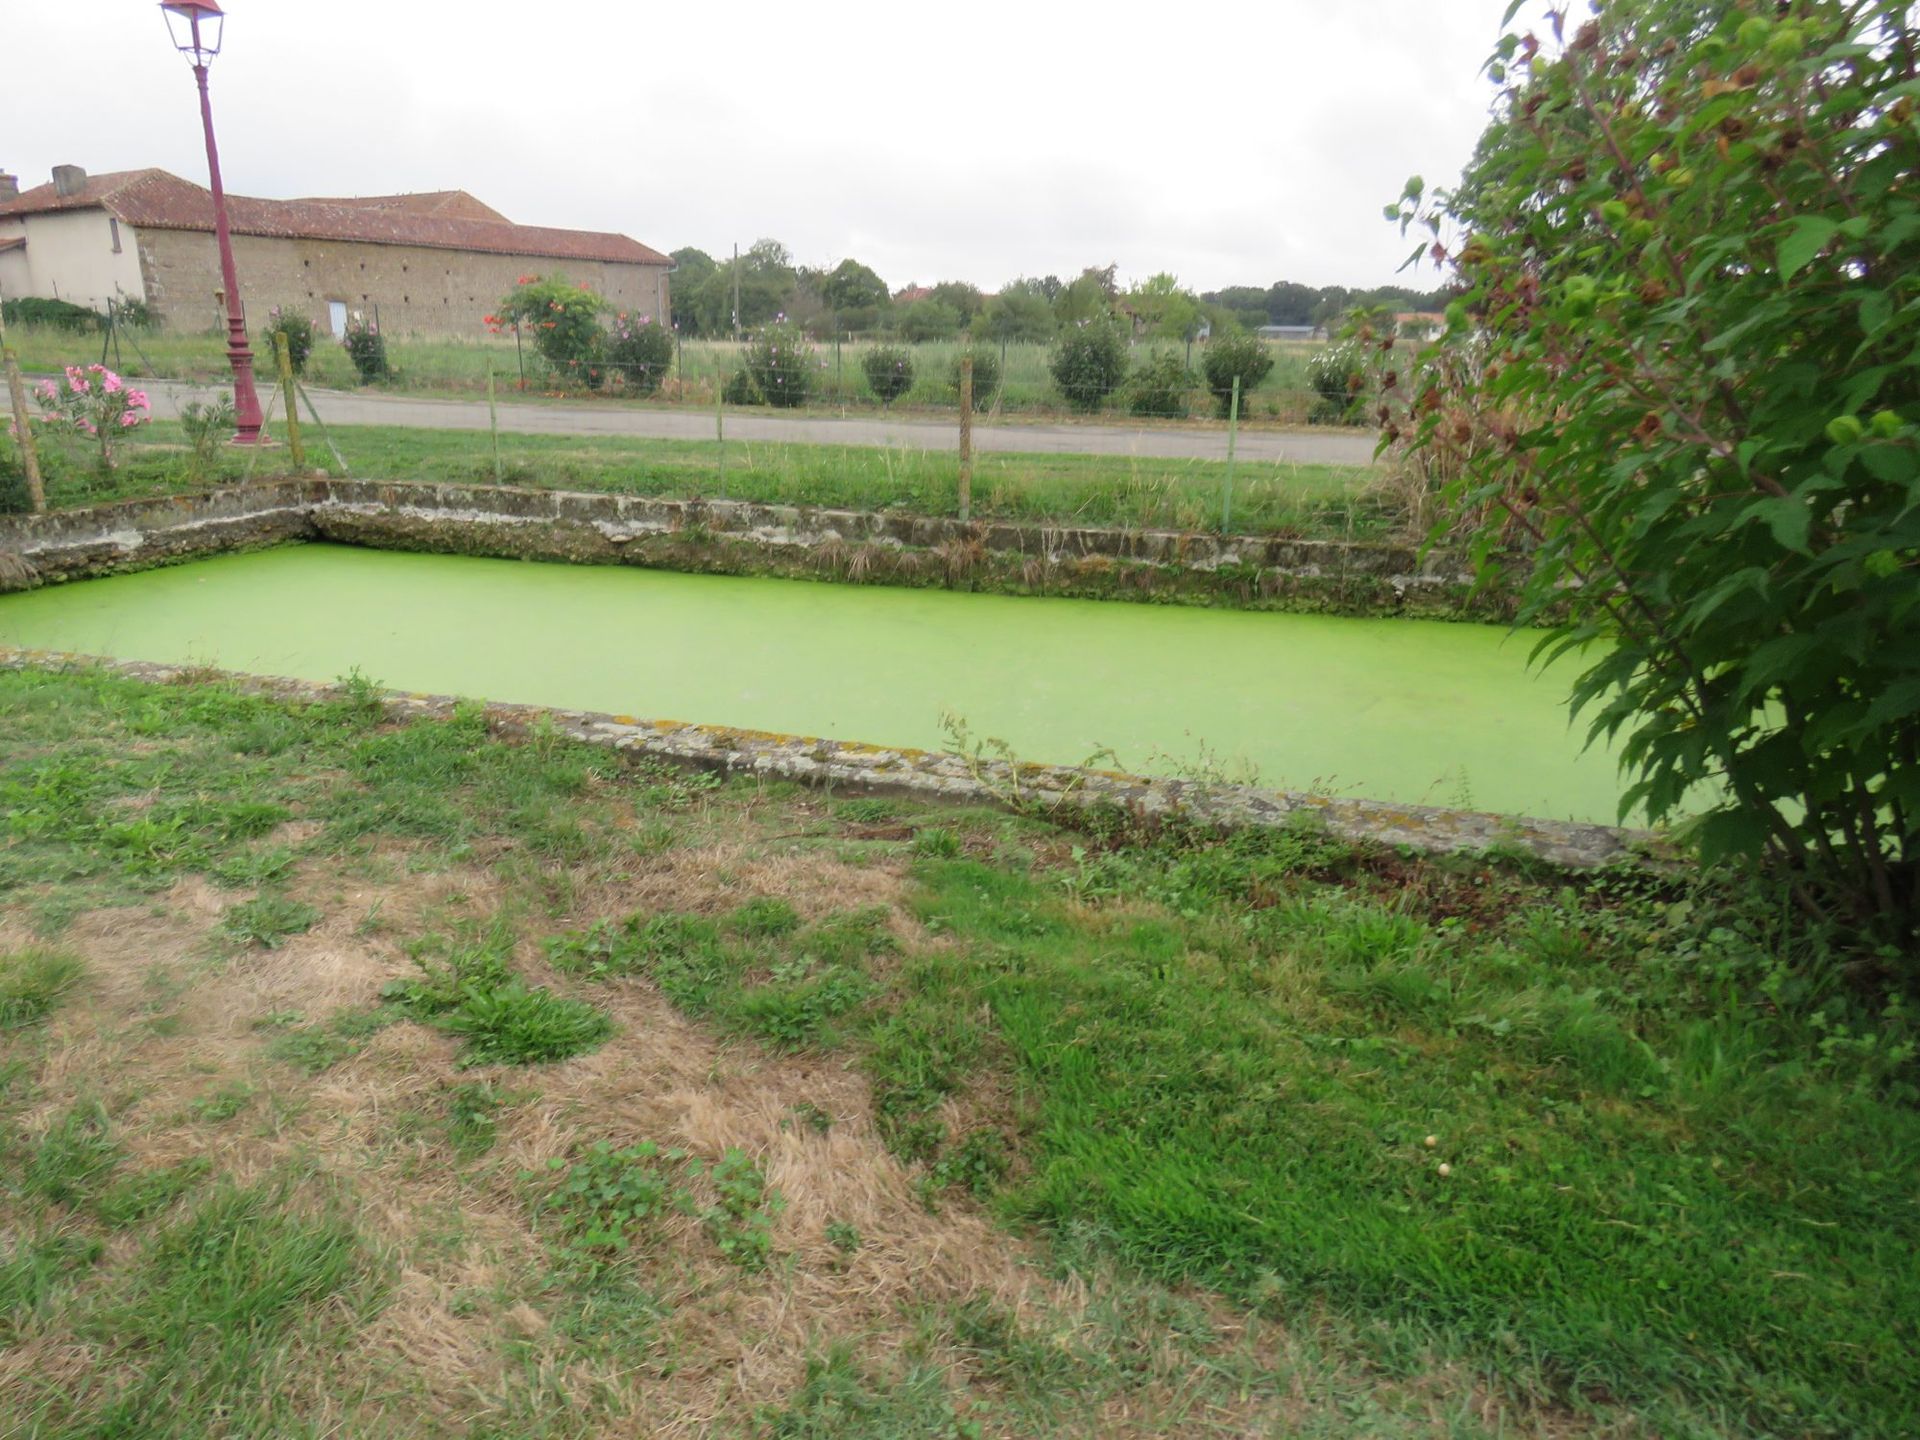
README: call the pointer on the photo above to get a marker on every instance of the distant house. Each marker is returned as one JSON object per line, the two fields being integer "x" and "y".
{"x": 1419, "y": 324}
{"x": 429, "y": 264}
{"x": 1290, "y": 332}
{"x": 912, "y": 293}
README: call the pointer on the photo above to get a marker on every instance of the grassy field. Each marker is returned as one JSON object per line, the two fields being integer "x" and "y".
{"x": 1317, "y": 500}
{"x": 371, "y": 1081}
{"x": 460, "y": 367}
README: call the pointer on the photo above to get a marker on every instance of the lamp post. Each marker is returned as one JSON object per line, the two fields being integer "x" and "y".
{"x": 185, "y": 19}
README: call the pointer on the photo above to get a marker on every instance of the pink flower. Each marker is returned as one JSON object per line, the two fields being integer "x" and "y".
{"x": 128, "y": 420}
{"x": 138, "y": 400}
{"x": 110, "y": 382}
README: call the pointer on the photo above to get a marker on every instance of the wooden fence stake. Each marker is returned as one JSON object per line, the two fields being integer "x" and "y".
{"x": 493, "y": 423}
{"x": 966, "y": 437}
{"x": 1233, "y": 434}
{"x": 283, "y": 362}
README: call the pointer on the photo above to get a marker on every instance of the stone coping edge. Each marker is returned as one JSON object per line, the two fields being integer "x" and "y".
{"x": 924, "y": 774}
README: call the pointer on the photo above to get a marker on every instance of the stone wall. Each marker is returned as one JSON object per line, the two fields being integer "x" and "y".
{"x": 735, "y": 537}
{"x": 418, "y": 290}
{"x": 1049, "y": 790}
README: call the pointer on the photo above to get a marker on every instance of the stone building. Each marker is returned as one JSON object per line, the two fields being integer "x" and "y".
{"x": 428, "y": 264}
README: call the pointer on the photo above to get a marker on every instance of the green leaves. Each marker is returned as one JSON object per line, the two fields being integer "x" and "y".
{"x": 1806, "y": 237}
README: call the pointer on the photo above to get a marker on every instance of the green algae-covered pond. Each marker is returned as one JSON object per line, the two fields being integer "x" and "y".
{"x": 1405, "y": 710}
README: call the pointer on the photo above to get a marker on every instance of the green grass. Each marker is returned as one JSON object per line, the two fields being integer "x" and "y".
{"x": 1198, "y": 1074}
{"x": 32, "y": 983}
{"x": 1325, "y": 501}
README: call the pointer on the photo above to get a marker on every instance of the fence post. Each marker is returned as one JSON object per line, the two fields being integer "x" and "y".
{"x": 966, "y": 436}
{"x": 720, "y": 428}
{"x": 283, "y": 362}
{"x": 1233, "y": 435}
{"x": 22, "y": 429}
{"x": 493, "y": 424}
{"x": 519, "y": 355}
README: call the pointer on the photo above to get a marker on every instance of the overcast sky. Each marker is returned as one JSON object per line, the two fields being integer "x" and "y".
{"x": 1229, "y": 143}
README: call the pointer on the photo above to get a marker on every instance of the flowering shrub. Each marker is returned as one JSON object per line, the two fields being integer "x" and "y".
{"x": 889, "y": 371}
{"x": 1088, "y": 363}
{"x": 1339, "y": 377}
{"x": 366, "y": 347}
{"x": 299, "y": 332}
{"x": 563, "y": 321}
{"x": 95, "y": 403}
{"x": 782, "y": 365}
{"x": 640, "y": 351}
{"x": 1230, "y": 356}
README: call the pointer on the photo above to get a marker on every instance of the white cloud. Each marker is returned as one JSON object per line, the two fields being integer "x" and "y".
{"x": 1232, "y": 143}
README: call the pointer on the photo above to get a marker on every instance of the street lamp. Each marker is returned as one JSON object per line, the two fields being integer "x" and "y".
{"x": 195, "y": 26}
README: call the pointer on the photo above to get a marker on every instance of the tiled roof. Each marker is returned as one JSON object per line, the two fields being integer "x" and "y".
{"x": 160, "y": 201}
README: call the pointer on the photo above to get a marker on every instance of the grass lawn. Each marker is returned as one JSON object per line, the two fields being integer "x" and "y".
{"x": 460, "y": 366}
{"x": 361, "y": 1080}
{"x": 1315, "y": 500}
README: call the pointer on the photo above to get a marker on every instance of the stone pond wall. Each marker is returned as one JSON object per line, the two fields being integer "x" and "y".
{"x": 1040, "y": 789}
{"x": 739, "y": 537}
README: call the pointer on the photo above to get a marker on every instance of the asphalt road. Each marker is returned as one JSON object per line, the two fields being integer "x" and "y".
{"x": 340, "y": 407}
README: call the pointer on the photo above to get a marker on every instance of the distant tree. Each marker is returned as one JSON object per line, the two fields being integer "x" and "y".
{"x": 851, "y": 288}
{"x": 690, "y": 268}
{"x": 1086, "y": 299}
{"x": 1165, "y": 310}
{"x": 1017, "y": 314}
{"x": 1291, "y": 304}
{"x": 928, "y": 319}
{"x": 1247, "y": 303}
{"x": 960, "y": 296}
{"x": 767, "y": 283}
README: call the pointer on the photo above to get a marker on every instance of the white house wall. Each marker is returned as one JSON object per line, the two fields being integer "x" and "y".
{"x": 70, "y": 256}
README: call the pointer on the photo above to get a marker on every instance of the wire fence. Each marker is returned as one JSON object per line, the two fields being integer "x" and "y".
{"x": 1151, "y": 381}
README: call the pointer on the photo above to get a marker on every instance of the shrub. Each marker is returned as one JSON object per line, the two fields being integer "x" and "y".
{"x": 1338, "y": 376}
{"x": 93, "y": 404}
{"x": 889, "y": 371}
{"x": 1159, "y": 385}
{"x": 986, "y": 377}
{"x": 782, "y": 365}
{"x": 299, "y": 332}
{"x": 1088, "y": 363}
{"x": 15, "y": 498}
{"x": 639, "y": 351}
{"x": 206, "y": 424}
{"x": 921, "y": 320}
{"x": 1706, "y": 434}
{"x": 1235, "y": 355}
{"x": 53, "y": 314}
{"x": 563, "y": 320}
{"x": 366, "y": 347}
{"x": 740, "y": 390}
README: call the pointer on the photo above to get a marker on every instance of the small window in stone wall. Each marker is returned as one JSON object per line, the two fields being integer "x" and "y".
{"x": 113, "y": 228}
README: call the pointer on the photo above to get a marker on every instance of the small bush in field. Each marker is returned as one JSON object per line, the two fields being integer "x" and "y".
{"x": 563, "y": 320}
{"x": 782, "y": 365}
{"x": 1159, "y": 385}
{"x": 299, "y": 332}
{"x": 741, "y": 390}
{"x": 640, "y": 351}
{"x": 1235, "y": 355}
{"x": 1088, "y": 363}
{"x": 366, "y": 347}
{"x": 986, "y": 377}
{"x": 889, "y": 371}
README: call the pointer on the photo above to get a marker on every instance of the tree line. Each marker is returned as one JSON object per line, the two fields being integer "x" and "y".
{"x": 852, "y": 298}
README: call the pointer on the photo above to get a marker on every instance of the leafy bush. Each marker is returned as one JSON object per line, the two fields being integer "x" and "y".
{"x": 782, "y": 365}
{"x": 889, "y": 371}
{"x": 1230, "y": 356}
{"x": 1690, "y": 261}
{"x": 1159, "y": 385}
{"x": 1088, "y": 363}
{"x": 299, "y": 332}
{"x": 640, "y": 351}
{"x": 366, "y": 347}
{"x": 986, "y": 377}
{"x": 740, "y": 389}
{"x": 52, "y": 314}
{"x": 1339, "y": 377}
{"x": 563, "y": 320}
{"x": 15, "y": 498}
{"x": 922, "y": 320}
{"x": 207, "y": 424}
